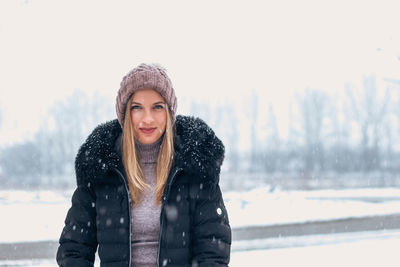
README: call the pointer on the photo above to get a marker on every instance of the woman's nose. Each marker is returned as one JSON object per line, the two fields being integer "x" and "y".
{"x": 148, "y": 118}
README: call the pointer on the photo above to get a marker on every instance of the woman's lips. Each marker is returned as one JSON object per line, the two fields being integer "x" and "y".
{"x": 147, "y": 130}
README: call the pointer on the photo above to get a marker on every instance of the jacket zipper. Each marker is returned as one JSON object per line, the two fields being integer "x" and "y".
{"x": 163, "y": 200}
{"x": 129, "y": 212}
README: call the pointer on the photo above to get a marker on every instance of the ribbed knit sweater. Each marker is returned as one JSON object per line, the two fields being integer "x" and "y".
{"x": 146, "y": 214}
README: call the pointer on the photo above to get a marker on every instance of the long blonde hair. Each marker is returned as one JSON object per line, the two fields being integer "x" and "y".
{"x": 130, "y": 159}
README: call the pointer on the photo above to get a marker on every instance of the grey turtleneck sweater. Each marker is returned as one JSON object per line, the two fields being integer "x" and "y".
{"x": 145, "y": 219}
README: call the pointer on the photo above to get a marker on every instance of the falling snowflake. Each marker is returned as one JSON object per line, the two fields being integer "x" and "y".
{"x": 219, "y": 211}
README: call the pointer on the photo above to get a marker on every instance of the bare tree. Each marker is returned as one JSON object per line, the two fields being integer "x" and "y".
{"x": 67, "y": 125}
{"x": 313, "y": 109}
{"x": 271, "y": 150}
{"x": 340, "y": 156}
{"x": 227, "y": 125}
{"x": 20, "y": 165}
{"x": 391, "y": 154}
{"x": 369, "y": 112}
{"x": 252, "y": 112}
{"x": 291, "y": 149}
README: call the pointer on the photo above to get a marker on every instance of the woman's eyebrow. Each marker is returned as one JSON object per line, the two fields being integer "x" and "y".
{"x": 159, "y": 102}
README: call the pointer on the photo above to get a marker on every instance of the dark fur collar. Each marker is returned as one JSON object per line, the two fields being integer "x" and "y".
{"x": 198, "y": 150}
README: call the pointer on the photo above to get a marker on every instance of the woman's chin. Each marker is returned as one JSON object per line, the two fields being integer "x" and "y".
{"x": 148, "y": 139}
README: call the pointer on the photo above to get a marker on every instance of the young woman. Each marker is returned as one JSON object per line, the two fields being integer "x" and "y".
{"x": 147, "y": 185}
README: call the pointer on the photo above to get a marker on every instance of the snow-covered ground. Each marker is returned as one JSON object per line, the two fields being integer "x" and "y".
{"x": 38, "y": 216}
{"x": 32, "y": 216}
{"x": 265, "y": 206}
{"x": 369, "y": 252}
{"x": 348, "y": 250}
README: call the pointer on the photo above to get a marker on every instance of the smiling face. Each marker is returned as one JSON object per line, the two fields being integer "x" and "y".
{"x": 148, "y": 115}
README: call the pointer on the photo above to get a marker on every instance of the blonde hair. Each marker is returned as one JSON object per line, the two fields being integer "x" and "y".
{"x": 130, "y": 159}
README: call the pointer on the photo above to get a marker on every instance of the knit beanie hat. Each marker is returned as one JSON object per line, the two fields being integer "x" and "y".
{"x": 145, "y": 76}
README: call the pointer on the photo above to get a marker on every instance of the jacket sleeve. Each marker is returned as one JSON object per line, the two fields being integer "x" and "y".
{"x": 78, "y": 242}
{"x": 211, "y": 243}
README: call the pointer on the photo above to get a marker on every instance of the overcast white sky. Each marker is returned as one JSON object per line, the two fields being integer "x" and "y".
{"x": 212, "y": 49}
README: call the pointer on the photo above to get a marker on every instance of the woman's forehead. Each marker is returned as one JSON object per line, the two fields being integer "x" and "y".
{"x": 147, "y": 95}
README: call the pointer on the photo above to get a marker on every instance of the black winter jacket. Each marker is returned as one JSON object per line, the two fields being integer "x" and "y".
{"x": 194, "y": 226}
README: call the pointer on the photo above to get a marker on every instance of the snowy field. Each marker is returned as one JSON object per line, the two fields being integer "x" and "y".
{"x": 264, "y": 206}
{"x": 39, "y": 216}
{"x": 378, "y": 250}
{"x": 371, "y": 252}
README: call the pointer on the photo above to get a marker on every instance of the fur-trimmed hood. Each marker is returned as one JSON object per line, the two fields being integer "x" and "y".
{"x": 197, "y": 150}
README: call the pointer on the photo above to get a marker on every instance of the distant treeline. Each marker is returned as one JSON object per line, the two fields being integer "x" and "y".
{"x": 357, "y": 132}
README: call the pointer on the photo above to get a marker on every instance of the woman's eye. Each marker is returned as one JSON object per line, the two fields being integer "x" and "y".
{"x": 158, "y": 107}
{"x": 135, "y": 107}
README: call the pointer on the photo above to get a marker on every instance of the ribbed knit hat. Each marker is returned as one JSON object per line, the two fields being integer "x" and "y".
{"x": 145, "y": 76}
